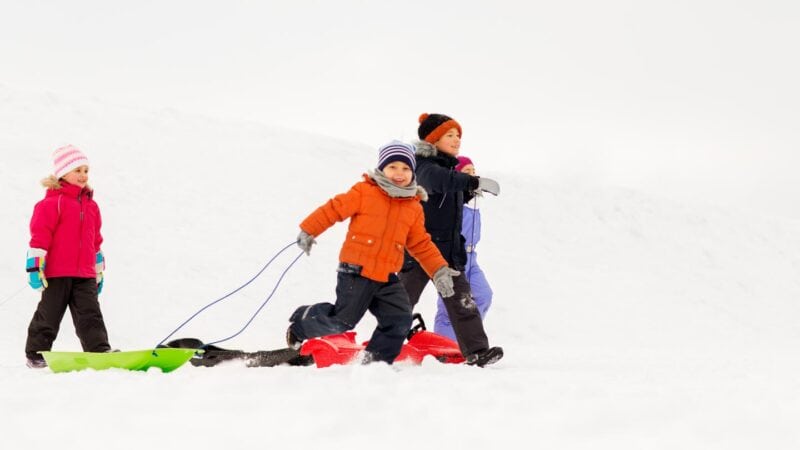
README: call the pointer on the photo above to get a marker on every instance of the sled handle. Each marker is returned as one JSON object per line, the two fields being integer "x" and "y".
{"x": 418, "y": 327}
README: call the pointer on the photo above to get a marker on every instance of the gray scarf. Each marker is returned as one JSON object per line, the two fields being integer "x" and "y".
{"x": 397, "y": 191}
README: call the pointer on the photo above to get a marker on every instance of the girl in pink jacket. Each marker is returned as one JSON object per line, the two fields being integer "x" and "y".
{"x": 64, "y": 260}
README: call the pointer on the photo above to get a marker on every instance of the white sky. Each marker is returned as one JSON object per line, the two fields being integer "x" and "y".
{"x": 686, "y": 99}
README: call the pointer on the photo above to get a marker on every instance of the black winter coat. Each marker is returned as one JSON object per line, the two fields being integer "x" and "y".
{"x": 448, "y": 190}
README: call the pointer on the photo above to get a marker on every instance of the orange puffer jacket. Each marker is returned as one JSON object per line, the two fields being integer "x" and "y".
{"x": 381, "y": 227}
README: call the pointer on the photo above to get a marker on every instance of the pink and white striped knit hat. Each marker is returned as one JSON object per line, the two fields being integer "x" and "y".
{"x": 67, "y": 159}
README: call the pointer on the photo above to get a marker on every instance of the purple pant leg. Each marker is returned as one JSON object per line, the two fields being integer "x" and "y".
{"x": 481, "y": 293}
{"x": 442, "y": 325}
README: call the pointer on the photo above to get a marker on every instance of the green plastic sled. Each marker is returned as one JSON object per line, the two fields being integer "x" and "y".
{"x": 166, "y": 359}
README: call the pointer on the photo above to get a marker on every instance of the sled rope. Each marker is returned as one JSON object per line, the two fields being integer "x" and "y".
{"x": 235, "y": 291}
{"x": 264, "y": 303}
{"x": 472, "y": 238}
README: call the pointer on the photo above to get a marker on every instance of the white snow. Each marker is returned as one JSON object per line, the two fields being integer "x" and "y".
{"x": 628, "y": 321}
{"x": 644, "y": 253}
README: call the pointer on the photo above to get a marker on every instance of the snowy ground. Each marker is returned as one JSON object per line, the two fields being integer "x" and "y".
{"x": 628, "y": 321}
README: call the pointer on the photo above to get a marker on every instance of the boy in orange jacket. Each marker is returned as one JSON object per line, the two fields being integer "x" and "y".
{"x": 386, "y": 218}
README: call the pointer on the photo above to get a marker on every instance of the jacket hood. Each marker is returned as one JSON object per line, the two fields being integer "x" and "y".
{"x": 57, "y": 187}
{"x": 425, "y": 149}
{"x": 428, "y": 150}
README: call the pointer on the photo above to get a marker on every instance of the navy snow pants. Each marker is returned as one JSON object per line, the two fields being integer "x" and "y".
{"x": 355, "y": 295}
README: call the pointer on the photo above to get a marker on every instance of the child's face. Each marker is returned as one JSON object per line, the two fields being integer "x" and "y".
{"x": 78, "y": 177}
{"x": 469, "y": 169}
{"x": 399, "y": 173}
{"x": 450, "y": 142}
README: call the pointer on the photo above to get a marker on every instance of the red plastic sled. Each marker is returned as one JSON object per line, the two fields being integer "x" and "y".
{"x": 424, "y": 343}
{"x": 333, "y": 349}
{"x": 343, "y": 349}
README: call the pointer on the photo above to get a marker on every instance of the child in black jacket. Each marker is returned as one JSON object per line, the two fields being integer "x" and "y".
{"x": 448, "y": 191}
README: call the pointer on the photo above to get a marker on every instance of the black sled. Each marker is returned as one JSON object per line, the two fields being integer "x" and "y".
{"x": 213, "y": 355}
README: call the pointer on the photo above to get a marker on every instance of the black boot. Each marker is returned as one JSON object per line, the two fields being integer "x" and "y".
{"x": 36, "y": 361}
{"x": 292, "y": 341}
{"x": 485, "y": 357}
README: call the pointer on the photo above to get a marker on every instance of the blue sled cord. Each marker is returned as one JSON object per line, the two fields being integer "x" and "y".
{"x": 264, "y": 303}
{"x": 233, "y": 292}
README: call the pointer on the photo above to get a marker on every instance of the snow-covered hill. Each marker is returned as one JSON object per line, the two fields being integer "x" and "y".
{"x": 628, "y": 321}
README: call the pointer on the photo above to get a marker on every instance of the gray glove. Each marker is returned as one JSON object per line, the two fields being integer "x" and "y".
{"x": 305, "y": 241}
{"x": 443, "y": 280}
{"x": 488, "y": 185}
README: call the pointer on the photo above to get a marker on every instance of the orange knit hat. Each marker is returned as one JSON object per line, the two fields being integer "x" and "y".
{"x": 433, "y": 126}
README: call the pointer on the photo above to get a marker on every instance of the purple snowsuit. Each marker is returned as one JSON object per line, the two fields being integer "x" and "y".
{"x": 481, "y": 291}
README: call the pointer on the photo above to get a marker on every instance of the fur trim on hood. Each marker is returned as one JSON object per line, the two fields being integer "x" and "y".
{"x": 51, "y": 182}
{"x": 425, "y": 149}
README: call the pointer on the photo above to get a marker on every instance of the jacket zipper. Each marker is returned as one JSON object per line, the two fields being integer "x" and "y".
{"x": 80, "y": 233}
{"x": 386, "y": 226}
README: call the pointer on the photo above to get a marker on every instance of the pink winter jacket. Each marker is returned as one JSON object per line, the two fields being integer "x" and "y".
{"x": 66, "y": 223}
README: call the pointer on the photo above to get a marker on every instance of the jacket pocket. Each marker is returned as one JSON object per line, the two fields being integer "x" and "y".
{"x": 396, "y": 256}
{"x": 362, "y": 239}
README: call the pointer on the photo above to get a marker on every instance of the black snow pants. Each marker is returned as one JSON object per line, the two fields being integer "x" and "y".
{"x": 461, "y": 308}
{"x": 355, "y": 295}
{"x": 80, "y": 296}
